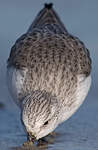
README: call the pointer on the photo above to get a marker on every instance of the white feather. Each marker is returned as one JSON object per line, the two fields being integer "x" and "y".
{"x": 83, "y": 86}
{"x": 15, "y": 79}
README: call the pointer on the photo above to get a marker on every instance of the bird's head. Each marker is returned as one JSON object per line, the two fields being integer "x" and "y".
{"x": 40, "y": 113}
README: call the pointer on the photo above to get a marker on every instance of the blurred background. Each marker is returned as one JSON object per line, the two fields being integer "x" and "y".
{"x": 81, "y": 20}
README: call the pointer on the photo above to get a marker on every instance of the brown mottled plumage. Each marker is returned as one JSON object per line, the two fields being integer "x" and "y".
{"x": 49, "y": 60}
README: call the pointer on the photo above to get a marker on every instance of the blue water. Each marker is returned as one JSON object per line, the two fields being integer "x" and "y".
{"x": 80, "y": 132}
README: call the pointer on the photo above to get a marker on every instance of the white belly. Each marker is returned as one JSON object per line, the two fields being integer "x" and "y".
{"x": 83, "y": 86}
{"x": 15, "y": 80}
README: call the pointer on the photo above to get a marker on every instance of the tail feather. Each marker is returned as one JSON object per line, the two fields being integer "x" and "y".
{"x": 46, "y": 16}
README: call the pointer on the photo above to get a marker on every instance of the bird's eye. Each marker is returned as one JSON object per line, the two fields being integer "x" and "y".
{"x": 46, "y": 123}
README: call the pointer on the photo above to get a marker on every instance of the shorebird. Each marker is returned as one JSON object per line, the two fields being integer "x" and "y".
{"x": 49, "y": 74}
